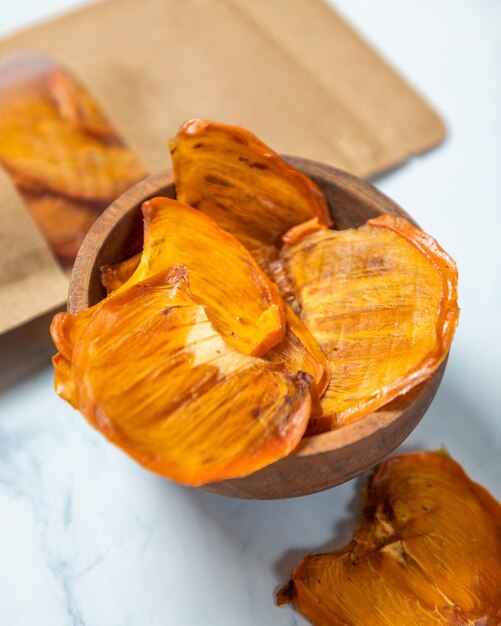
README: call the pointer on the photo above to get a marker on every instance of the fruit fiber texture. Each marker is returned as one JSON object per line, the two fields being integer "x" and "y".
{"x": 241, "y": 301}
{"x": 429, "y": 554}
{"x": 380, "y": 300}
{"x": 155, "y": 369}
{"x": 249, "y": 190}
{"x": 183, "y": 402}
{"x": 297, "y": 351}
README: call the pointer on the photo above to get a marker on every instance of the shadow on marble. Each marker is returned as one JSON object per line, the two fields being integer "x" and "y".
{"x": 341, "y": 535}
{"x": 343, "y": 528}
{"x": 24, "y": 351}
{"x": 467, "y": 423}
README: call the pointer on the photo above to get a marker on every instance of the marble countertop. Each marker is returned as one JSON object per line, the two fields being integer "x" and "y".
{"x": 88, "y": 538}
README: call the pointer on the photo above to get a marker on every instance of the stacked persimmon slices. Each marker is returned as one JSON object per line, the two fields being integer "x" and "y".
{"x": 248, "y": 320}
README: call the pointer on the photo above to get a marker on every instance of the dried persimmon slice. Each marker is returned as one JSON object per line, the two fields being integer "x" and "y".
{"x": 115, "y": 275}
{"x": 148, "y": 370}
{"x": 247, "y": 188}
{"x": 381, "y": 301}
{"x": 43, "y": 151}
{"x": 429, "y": 553}
{"x": 297, "y": 351}
{"x": 65, "y": 330}
{"x": 251, "y": 314}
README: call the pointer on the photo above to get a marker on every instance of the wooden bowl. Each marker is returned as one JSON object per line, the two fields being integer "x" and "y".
{"x": 320, "y": 461}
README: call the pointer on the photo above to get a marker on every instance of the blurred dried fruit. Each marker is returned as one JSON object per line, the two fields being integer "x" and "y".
{"x": 430, "y": 553}
{"x": 60, "y": 151}
{"x": 381, "y": 301}
{"x": 249, "y": 190}
{"x": 40, "y": 148}
{"x": 77, "y": 106}
{"x": 148, "y": 370}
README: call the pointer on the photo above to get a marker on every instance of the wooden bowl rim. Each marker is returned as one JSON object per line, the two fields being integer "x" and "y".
{"x": 156, "y": 184}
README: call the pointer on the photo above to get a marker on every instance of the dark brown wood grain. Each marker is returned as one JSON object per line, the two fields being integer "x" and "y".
{"x": 320, "y": 461}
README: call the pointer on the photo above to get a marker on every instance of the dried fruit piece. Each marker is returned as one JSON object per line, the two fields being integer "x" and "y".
{"x": 65, "y": 330}
{"x": 229, "y": 174}
{"x": 64, "y": 222}
{"x": 43, "y": 150}
{"x": 251, "y": 315}
{"x": 63, "y": 381}
{"x": 114, "y": 276}
{"x": 380, "y": 300}
{"x": 430, "y": 553}
{"x": 147, "y": 369}
{"x": 265, "y": 256}
{"x": 296, "y": 233}
{"x": 297, "y": 351}
{"x": 77, "y": 106}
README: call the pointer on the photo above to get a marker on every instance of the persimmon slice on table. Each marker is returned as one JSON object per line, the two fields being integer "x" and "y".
{"x": 381, "y": 301}
{"x": 248, "y": 189}
{"x": 241, "y": 301}
{"x": 147, "y": 369}
{"x": 429, "y": 553}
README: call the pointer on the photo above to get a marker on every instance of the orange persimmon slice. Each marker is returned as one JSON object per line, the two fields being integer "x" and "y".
{"x": 44, "y": 151}
{"x": 148, "y": 370}
{"x": 65, "y": 330}
{"x": 115, "y": 275}
{"x": 297, "y": 351}
{"x": 251, "y": 315}
{"x": 381, "y": 301}
{"x": 429, "y": 554}
{"x": 250, "y": 191}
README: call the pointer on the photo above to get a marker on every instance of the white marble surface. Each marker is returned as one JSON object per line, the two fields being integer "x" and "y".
{"x": 89, "y": 538}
